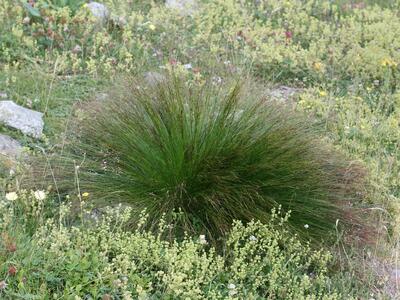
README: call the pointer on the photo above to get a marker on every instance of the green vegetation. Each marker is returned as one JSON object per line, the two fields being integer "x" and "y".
{"x": 213, "y": 154}
{"x": 341, "y": 56}
{"x": 103, "y": 260}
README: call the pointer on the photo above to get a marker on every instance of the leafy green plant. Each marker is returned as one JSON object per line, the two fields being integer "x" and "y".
{"x": 34, "y": 11}
{"x": 73, "y": 5}
{"x": 211, "y": 155}
{"x": 103, "y": 261}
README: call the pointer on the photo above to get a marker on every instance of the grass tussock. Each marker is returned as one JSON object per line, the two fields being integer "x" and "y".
{"x": 210, "y": 155}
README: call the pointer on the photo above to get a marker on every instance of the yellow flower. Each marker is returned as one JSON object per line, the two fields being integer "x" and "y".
{"x": 322, "y": 93}
{"x": 12, "y": 196}
{"x": 318, "y": 66}
{"x": 85, "y": 194}
{"x": 387, "y": 62}
{"x": 152, "y": 27}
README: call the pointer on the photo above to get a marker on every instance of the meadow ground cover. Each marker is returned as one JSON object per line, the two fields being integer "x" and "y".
{"x": 341, "y": 56}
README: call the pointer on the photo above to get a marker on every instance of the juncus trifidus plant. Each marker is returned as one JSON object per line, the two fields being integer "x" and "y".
{"x": 213, "y": 154}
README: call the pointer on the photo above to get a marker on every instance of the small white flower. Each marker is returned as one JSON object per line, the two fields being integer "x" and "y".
{"x": 216, "y": 80}
{"x": 231, "y": 286}
{"x": 117, "y": 283}
{"x": 40, "y": 195}
{"x": 12, "y": 196}
{"x": 26, "y": 21}
{"x": 232, "y": 289}
{"x": 306, "y": 226}
{"x": 187, "y": 66}
{"x": 202, "y": 239}
{"x": 252, "y": 238}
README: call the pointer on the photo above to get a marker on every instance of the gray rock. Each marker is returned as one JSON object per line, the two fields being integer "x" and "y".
{"x": 3, "y": 95}
{"x": 10, "y": 153}
{"x": 99, "y": 11}
{"x": 282, "y": 92}
{"x": 9, "y": 147}
{"x": 153, "y": 78}
{"x": 30, "y": 122}
{"x": 184, "y": 7}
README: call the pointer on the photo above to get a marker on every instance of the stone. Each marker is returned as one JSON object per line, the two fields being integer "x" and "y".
{"x": 10, "y": 153}
{"x": 9, "y": 147}
{"x": 28, "y": 121}
{"x": 153, "y": 78}
{"x": 184, "y": 7}
{"x": 282, "y": 92}
{"x": 99, "y": 11}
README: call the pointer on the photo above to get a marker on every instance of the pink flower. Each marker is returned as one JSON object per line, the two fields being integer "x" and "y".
{"x": 288, "y": 34}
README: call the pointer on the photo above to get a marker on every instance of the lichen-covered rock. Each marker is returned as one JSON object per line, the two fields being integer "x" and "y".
{"x": 185, "y": 7}
{"x": 9, "y": 147}
{"x": 10, "y": 153}
{"x": 99, "y": 11}
{"x": 282, "y": 92}
{"x": 28, "y": 121}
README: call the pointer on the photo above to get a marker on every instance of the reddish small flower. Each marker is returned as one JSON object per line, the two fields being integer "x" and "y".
{"x": 196, "y": 70}
{"x": 12, "y": 270}
{"x": 114, "y": 61}
{"x": 173, "y": 62}
{"x": 50, "y": 32}
{"x": 288, "y": 34}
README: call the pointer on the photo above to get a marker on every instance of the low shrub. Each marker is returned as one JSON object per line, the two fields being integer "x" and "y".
{"x": 103, "y": 261}
{"x": 209, "y": 155}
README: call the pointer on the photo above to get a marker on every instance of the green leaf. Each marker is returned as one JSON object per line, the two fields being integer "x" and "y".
{"x": 31, "y": 10}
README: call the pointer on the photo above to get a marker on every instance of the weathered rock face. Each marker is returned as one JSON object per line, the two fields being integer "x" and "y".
{"x": 185, "y": 7}
{"x": 28, "y": 121}
{"x": 9, "y": 147}
{"x": 99, "y": 11}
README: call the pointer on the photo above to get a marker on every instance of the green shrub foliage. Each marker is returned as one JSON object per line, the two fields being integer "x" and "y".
{"x": 103, "y": 261}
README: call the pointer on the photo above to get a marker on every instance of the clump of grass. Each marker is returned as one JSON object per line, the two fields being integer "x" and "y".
{"x": 210, "y": 155}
